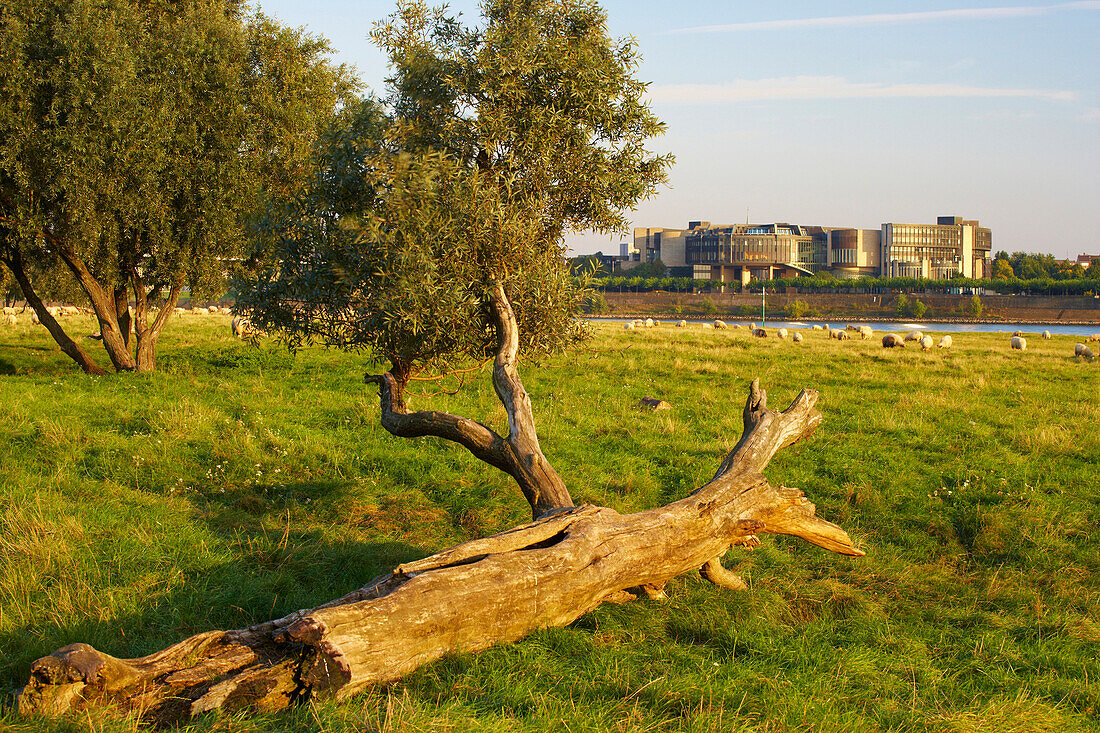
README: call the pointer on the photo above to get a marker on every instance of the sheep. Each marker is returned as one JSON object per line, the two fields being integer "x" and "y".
{"x": 891, "y": 341}
{"x": 945, "y": 342}
{"x": 796, "y": 338}
{"x": 11, "y": 320}
{"x": 649, "y": 323}
{"x": 912, "y": 336}
{"x": 926, "y": 343}
{"x": 213, "y": 309}
{"x": 850, "y": 327}
{"x": 719, "y": 324}
{"x": 1019, "y": 343}
{"x": 1046, "y": 336}
{"x": 629, "y": 325}
{"x": 781, "y": 333}
{"x": 866, "y": 332}
{"x": 681, "y": 324}
{"x": 839, "y": 335}
{"x": 1094, "y": 337}
{"x": 1017, "y": 333}
{"x": 241, "y": 327}
{"x": 816, "y": 327}
{"x": 707, "y": 325}
{"x": 9, "y": 311}
{"x": 1082, "y": 351}
{"x": 759, "y": 333}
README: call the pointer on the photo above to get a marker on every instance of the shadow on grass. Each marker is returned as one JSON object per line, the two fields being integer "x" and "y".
{"x": 267, "y": 579}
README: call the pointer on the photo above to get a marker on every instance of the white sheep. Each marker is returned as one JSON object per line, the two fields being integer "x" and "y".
{"x": 1082, "y": 351}
{"x": 213, "y": 309}
{"x": 11, "y": 320}
{"x": 1094, "y": 337}
{"x": 850, "y": 327}
{"x": 649, "y": 323}
{"x": 796, "y": 337}
{"x": 866, "y": 332}
{"x": 1046, "y": 335}
{"x": 681, "y": 324}
{"x": 629, "y": 325}
{"x": 781, "y": 333}
{"x": 719, "y": 324}
{"x": 912, "y": 336}
{"x": 9, "y": 311}
{"x": 816, "y": 327}
{"x": 926, "y": 343}
{"x": 945, "y": 342}
{"x": 1019, "y": 343}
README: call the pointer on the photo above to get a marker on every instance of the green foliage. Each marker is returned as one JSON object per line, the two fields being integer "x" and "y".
{"x": 492, "y": 142}
{"x": 708, "y": 306}
{"x": 594, "y": 303}
{"x": 975, "y": 307}
{"x": 647, "y": 270}
{"x": 138, "y": 137}
{"x": 133, "y": 524}
{"x": 797, "y": 308}
{"x": 901, "y": 305}
{"x": 918, "y": 309}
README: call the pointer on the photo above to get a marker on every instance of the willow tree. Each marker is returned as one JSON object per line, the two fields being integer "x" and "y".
{"x": 431, "y": 238}
{"x": 136, "y": 139}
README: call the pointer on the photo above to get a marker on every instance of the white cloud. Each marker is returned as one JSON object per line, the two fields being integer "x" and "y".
{"x": 928, "y": 16}
{"x": 834, "y": 87}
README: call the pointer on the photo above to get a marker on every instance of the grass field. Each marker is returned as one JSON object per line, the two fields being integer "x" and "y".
{"x": 239, "y": 483}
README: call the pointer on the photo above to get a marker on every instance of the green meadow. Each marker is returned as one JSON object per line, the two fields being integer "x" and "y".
{"x": 240, "y": 482}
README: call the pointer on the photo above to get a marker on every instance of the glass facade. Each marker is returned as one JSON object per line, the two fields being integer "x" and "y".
{"x": 757, "y": 245}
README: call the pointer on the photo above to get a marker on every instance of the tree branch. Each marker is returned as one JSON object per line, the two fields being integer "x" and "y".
{"x": 479, "y": 439}
{"x": 541, "y": 484}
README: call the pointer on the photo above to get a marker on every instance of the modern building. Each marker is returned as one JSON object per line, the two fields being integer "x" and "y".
{"x": 949, "y": 247}
{"x": 739, "y": 253}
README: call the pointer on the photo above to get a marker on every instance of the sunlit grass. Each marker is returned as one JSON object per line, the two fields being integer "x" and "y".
{"x": 239, "y": 483}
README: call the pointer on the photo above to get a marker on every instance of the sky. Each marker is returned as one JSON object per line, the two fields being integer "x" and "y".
{"x": 845, "y": 113}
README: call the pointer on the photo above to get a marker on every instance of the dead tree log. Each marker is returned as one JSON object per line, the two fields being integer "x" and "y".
{"x": 466, "y": 598}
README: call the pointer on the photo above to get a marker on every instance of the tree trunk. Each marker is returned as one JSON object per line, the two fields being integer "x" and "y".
{"x": 518, "y": 454}
{"x": 464, "y": 599}
{"x": 114, "y": 342}
{"x": 67, "y": 345}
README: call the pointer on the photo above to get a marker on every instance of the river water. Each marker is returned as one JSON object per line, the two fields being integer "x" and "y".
{"x": 896, "y": 326}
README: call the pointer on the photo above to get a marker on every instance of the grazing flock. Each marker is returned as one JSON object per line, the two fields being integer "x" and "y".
{"x": 925, "y": 341}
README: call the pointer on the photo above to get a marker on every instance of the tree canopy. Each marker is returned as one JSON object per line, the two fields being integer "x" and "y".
{"x": 137, "y": 138}
{"x": 431, "y": 235}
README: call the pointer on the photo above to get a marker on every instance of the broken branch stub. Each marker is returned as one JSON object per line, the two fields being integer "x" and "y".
{"x": 474, "y": 595}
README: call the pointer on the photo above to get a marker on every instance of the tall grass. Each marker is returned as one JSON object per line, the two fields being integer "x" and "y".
{"x": 239, "y": 483}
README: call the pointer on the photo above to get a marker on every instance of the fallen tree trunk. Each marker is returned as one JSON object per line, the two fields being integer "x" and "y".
{"x": 466, "y": 598}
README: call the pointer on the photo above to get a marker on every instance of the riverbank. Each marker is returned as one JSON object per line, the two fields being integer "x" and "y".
{"x": 854, "y": 307}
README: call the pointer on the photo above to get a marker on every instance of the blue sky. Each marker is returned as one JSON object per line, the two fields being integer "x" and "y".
{"x": 848, "y": 113}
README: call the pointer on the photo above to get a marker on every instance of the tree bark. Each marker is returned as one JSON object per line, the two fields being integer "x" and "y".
{"x": 104, "y": 306}
{"x": 14, "y": 261}
{"x": 518, "y": 453}
{"x": 466, "y": 598}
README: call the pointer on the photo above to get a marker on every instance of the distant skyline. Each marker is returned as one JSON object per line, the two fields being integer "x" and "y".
{"x": 847, "y": 113}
